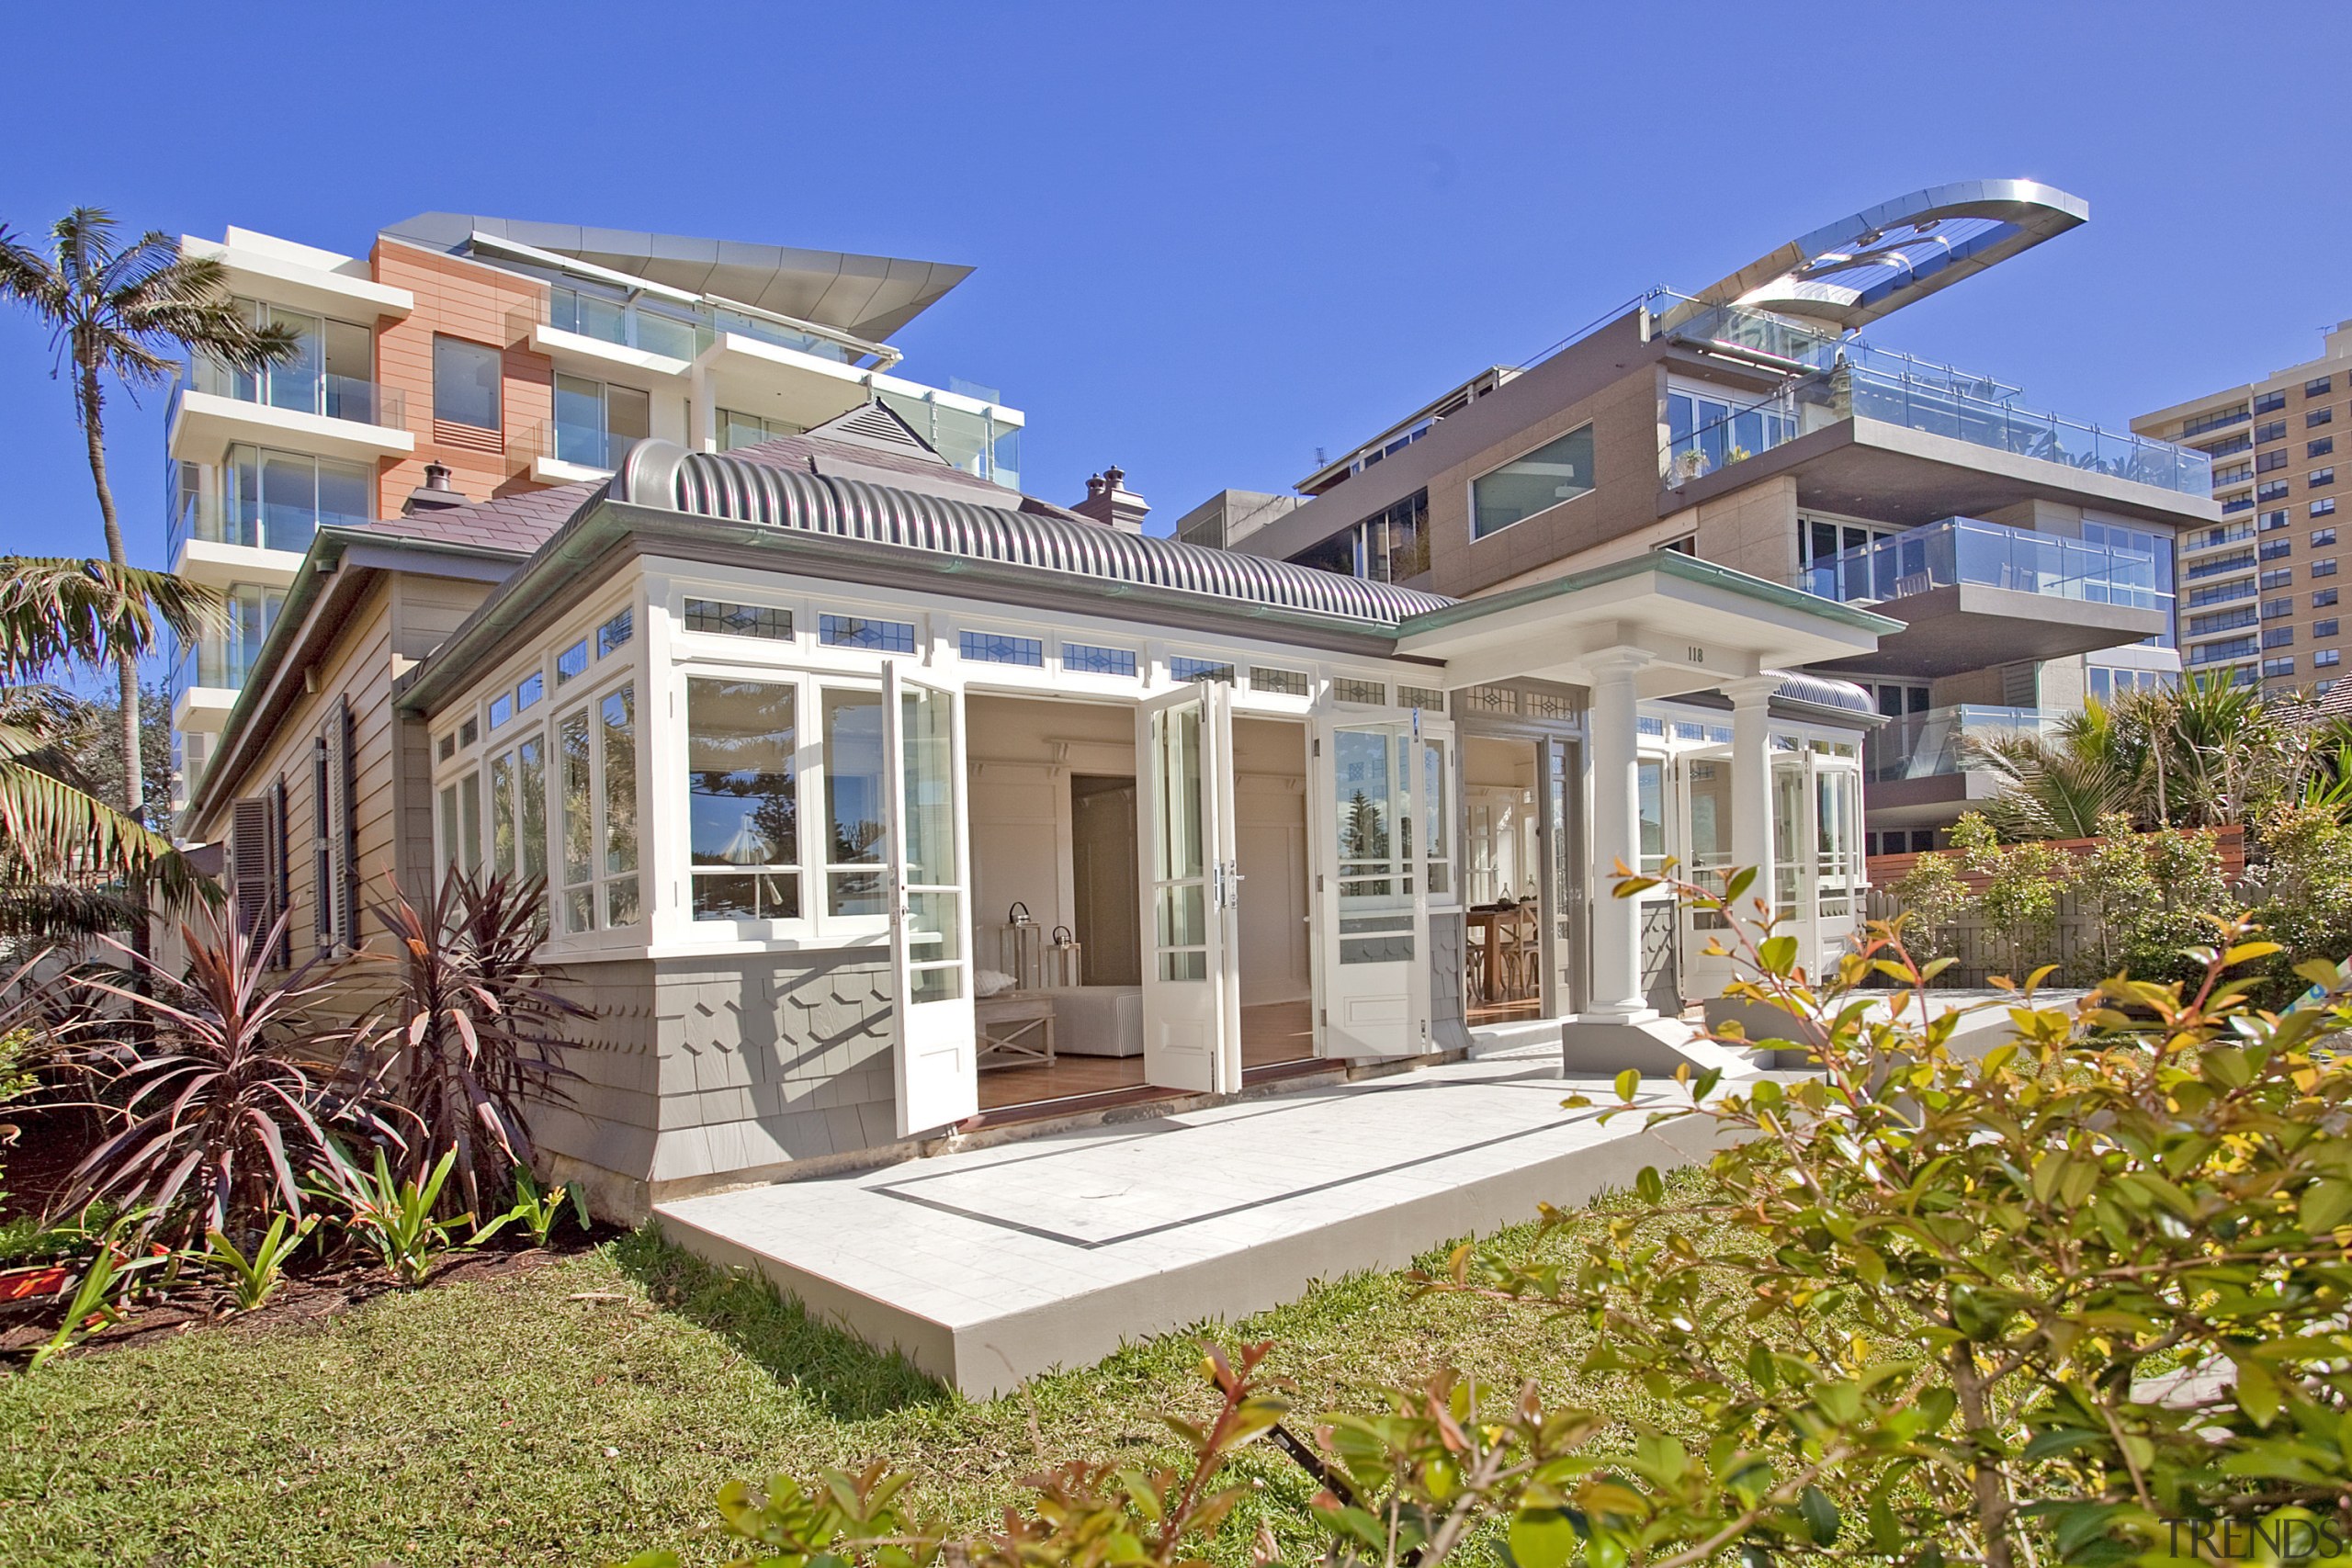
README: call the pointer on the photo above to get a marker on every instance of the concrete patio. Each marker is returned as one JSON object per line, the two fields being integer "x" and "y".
{"x": 988, "y": 1266}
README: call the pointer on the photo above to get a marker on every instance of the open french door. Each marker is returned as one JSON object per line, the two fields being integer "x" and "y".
{"x": 1191, "y": 985}
{"x": 931, "y": 915}
{"x": 1371, "y": 897}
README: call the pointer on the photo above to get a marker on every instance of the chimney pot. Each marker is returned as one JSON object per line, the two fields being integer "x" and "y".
{"x": 1110, "y": 503}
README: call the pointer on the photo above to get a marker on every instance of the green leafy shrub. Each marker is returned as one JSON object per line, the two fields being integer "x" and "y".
{"x": 1935, "y": 897}
{"x": 2020, "y": 894}
{"x": 2054, "y": 1302}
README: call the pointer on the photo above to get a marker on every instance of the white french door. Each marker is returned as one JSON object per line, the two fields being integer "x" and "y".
{"x": 1371, "y": 897}
{"x": 1191, "y": 982}
{"x": 927, "y": 859}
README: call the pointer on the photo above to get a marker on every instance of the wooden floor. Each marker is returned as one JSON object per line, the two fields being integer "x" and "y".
{"x": 1271, "y": 1034}
{"x": 1505, "y": 1012}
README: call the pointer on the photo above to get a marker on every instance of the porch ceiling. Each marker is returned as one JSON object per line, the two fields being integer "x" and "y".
{"x": 1702, "y": 624}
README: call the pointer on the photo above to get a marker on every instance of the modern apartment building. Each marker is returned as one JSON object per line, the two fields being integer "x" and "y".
{"x": 1761, "y": 423}
{"x": 465, "y": 357}
{"x": 2258, "y": 588}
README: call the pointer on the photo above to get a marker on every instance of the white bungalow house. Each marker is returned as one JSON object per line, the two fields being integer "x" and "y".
{"x": 873, "y": 800}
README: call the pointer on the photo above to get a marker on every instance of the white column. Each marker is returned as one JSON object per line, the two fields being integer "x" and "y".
{"x": 1751, "y": 778}
{"x": 1614, "y": 745}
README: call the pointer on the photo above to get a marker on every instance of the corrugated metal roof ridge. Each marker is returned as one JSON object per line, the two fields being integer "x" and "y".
{"x": 721, "y": 485}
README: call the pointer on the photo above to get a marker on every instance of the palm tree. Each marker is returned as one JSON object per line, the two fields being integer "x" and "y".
{"x": 64, "y": 852}
{"x": 131, "y": 312}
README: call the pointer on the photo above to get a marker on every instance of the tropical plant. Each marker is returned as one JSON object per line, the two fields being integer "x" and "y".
{"x": 2306, "y": 889}
{"x": 255, "y": 1278}
{"x": 394, "y": 1214}
{"x": 537, "y": 1211}
{"x": 101, "y": 1294}
{"x": 129, "y": 312}
{"x": 66, "y": 856}
{"x": 473, "y": 1034}
{"x": 226, "y": 1093}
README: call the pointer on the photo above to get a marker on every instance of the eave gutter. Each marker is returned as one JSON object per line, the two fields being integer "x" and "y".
{"x": 316, "y": 582}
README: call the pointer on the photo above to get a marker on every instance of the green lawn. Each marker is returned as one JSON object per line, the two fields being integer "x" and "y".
{"x": 577, "y": 1412}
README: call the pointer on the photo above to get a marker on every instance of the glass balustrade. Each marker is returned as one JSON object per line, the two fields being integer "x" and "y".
{"x": 1893, "y": 390}
{"x": 1963, "y": 550}
{"x": 301, "y": 386}
{"x": 1936, "y": 743}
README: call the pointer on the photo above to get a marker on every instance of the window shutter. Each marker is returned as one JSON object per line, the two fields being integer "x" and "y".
{"x": 274, "y": 852}
{"x": 249, "y": 881}
{"x": 323, "y": 895}
{"x": 339, "y": 827}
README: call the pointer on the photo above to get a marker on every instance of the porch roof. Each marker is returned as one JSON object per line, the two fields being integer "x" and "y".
{"x": 1696, "y": 624}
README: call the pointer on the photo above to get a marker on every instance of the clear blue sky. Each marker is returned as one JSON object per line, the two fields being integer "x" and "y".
{"x": 1210, "y": 239}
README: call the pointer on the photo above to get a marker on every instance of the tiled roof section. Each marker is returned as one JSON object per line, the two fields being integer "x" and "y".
{"x": 515, "y": 523}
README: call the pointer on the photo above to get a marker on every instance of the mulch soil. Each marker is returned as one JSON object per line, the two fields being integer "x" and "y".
{"x": 35, "y": 1167}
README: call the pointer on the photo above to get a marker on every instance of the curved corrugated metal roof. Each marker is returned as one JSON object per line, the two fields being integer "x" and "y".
{"x": 1822, "y": 691}
{"x": 662, "y": 474}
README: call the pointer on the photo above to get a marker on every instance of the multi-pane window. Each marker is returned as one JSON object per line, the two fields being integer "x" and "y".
{"x": 2277, "y": 636}
{"x": 2319, "y": 477}
{"x": 2277, "y": 519}
{"x": 2323, "y": 630}
{"x": 858, "y": 631}
{"x": 2324, "y": 507}
{"x": 2321, "y": 536}
{"x": 615, "y": 632}
{"x": 572, "y": 662}
{"x": 2276, "y": 430}
{"x": 2320, "y": 447}
{"x": 2319, "y": 386}
{"x": 1370, "y": 693}
{"x": 597, "y": 812}
{"x": 461, "y": 822}
{"x": 2272, "y": 489}
{"x": 2268, "y": 402}
{"x": 2271, "y": 461}
{"x": 1279, "y": 683}
{"x": 855, "y": 813}
{"x": 1554, "y": 472}
{"x": 738, "y": 620}
{"x": 2323, "y": 568}
{"x": 2318, "y": 417}
{"x": 1086, "y": 659}
{"x": 2278, "y": 549}
{"x": 736, "y": 429}
{"x": 996, "y": 647}
{"x": 1425, "y": 697}
{"x": 742, "y": 799}
{"x": 2278, "y": 577}
{"x": 518, "y": 809}
{"x": 2273, "y": 668}
{"x": 2322, "y": 597}
{"x": 1183, "y": 668}
{"x": 2327, "y": 658}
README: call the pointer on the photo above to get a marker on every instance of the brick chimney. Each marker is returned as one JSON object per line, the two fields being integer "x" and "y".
{"x": 436, "y": 494}
{"x": 1110, "y": 503}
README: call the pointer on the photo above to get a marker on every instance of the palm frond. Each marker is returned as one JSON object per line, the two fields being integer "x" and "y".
{"x": 60, "y": 610}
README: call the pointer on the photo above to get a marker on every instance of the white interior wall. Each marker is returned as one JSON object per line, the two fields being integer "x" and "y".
{"x": 1021, "y": 754}
{"x": 1270, "y": 838}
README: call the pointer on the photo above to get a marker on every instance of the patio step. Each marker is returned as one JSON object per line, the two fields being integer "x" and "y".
{"x": 990, "y": 1266}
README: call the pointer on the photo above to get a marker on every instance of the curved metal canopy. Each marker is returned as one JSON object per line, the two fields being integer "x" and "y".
{"x": 663, "y": 475}
{"x": 1852, "y": 272}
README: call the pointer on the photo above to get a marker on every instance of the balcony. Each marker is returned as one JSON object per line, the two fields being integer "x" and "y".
{"x": 297, "y": 405}
{"x": 1973, "y": 593}
{"x": 1935, "y": 744}
{"x": 567, "y": 451}
{"x": 1891, "y": 390}
{"x": 2215, "y": 538}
